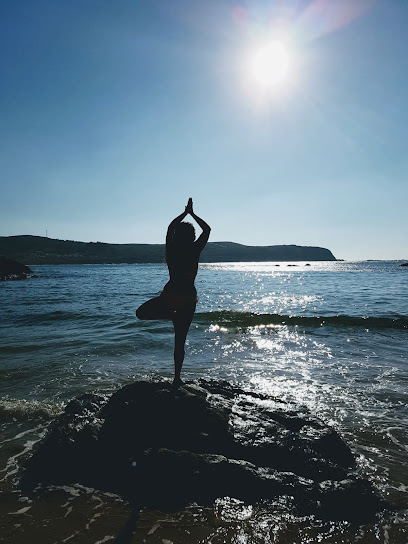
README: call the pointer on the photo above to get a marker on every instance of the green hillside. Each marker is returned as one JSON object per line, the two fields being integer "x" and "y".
{"x": 41, "y": 250}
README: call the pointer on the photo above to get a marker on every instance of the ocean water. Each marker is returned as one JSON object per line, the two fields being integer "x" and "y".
{"x": 332, "y": 336}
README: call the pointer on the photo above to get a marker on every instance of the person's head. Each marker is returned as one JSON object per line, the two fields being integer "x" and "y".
{"x": 184, "y": 234}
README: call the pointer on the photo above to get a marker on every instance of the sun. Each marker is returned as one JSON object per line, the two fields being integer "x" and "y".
{"x": 270, "y": 64}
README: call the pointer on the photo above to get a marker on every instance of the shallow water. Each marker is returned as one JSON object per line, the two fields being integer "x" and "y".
{"x": 331, "y": 336}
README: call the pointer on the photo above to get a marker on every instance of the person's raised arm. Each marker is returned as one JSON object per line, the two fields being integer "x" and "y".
{"x": 203, "y": 238}
{"x": 174, "y": 223}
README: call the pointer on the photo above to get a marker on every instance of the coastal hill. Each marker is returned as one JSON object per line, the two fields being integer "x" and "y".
{"x": 41, "y": 250}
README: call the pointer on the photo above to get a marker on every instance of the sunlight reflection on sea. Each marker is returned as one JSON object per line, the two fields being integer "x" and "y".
{"x": 330, "y": 336}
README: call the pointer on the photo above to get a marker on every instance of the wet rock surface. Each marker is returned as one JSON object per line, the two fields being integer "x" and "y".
{"x": 164, "y": 448}
{"x": 13, "y": 270}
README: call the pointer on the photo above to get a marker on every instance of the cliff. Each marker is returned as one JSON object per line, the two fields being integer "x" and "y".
{"x": 40, "y": 250}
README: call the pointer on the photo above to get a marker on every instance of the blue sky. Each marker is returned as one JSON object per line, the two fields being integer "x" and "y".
{"x": 113, "y": 113}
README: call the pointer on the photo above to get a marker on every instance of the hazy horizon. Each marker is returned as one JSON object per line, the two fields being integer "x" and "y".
{"x": 113, "y": 115}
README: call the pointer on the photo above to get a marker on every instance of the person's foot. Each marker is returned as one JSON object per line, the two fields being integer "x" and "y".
{"x": 177, "y": 382}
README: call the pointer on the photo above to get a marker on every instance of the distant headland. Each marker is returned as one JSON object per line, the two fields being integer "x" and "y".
{"x": 42, "y": 250}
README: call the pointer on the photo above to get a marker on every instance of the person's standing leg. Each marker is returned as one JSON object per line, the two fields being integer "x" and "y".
{"x": 181, "y": 322}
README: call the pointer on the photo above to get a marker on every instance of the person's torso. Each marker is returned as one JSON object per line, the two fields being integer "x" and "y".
{"x": 183, "y": 267}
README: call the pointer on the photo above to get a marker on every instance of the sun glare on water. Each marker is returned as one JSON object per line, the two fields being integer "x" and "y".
{"x": 270, "y": 64}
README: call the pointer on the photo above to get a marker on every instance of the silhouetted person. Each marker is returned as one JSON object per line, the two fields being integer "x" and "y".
{"x": 178, "y": 299}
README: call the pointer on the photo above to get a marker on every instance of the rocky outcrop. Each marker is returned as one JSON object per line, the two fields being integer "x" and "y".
{"x": 13, "y": 270}
{"x": 165, "y": 449}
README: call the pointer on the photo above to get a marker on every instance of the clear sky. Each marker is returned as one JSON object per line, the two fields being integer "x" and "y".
{"x": 113, "y": 113}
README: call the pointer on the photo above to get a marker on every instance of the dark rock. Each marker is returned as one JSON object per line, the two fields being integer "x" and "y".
{"x": 186, "y": 477}
{"x": 165, "y": 448}
{"x": 69, "y": 450}
{"x": 351, "y": 499}
{"x": 404, "y": 264}
{"x": 13, "y": 270}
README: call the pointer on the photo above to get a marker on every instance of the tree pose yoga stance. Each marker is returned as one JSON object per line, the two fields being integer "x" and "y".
{"x": 178, "y": 299}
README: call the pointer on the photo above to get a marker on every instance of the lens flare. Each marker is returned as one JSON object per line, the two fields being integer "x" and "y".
{"x": 270, "y": 64}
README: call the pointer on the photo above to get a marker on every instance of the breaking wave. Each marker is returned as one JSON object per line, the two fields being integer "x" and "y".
{"x": 234, "y": 319}
{"x": 21, "y": 410}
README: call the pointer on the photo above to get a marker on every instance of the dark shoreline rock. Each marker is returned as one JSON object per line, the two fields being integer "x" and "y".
{"x": 13, "y": 270}
{"x": 209, "y": 439}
